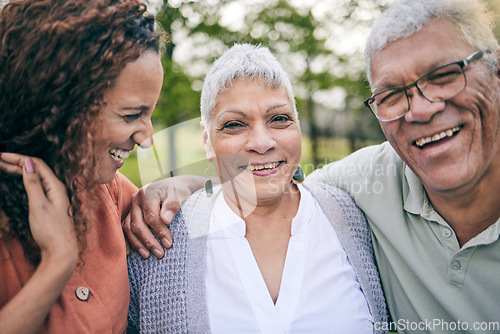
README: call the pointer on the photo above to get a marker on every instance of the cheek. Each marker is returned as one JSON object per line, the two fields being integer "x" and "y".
{"x": 116, "y": 135}
{"x": 395, "y": 135}
{"x": 482, "y": 93}
{"x": 295, "y": 147}
{"x": 223, "y": 144}
{"x": 388, "y": 130}
{"x": 291, "y": 140}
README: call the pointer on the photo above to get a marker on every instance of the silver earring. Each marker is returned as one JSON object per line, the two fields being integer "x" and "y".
{"x": 298, "y": 176}
{"x": 209, "y": 190}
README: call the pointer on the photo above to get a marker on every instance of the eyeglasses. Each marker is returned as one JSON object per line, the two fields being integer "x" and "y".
{"x": 438, "y": 85}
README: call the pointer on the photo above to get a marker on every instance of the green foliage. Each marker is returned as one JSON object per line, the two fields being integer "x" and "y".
{"x": 178, "y": 101}
{"x": 298, "y": 36}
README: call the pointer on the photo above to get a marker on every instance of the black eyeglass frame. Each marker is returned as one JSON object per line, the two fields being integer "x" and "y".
{"x": 463, "y": 65}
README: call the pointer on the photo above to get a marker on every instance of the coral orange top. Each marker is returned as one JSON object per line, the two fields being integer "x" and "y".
{"x": 104, "y": 274}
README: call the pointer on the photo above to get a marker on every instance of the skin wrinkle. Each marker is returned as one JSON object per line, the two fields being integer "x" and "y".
{"x": 458, "y": 171}
{"x": 61, "y": 129}
{"x": 217, "y": 134}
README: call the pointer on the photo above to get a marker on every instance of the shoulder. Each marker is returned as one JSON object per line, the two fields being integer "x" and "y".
{"x": 364, "y": 163}
{"x": 196, "y": 212}
{"x": 382, "y": 152}
{"x": 331, "y": 199}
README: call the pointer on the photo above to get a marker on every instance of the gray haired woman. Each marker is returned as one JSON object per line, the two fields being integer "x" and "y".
{"x": 259, "y": 253}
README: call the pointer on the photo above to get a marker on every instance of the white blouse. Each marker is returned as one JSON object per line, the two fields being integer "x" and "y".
{"x": 319, "y": 292}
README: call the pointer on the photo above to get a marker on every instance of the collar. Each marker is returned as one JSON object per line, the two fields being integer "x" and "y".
{"x": 417, "y": 202}
{"x": 224, "y": 217}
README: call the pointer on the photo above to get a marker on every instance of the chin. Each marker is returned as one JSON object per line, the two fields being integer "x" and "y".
{"x": 448, "y": 182}
{"x": 103, "y": 178}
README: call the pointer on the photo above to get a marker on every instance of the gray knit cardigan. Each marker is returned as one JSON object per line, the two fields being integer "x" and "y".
{"x": 168, "y": 295}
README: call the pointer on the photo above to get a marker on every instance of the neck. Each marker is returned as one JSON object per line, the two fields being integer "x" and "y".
{"x": 470, "y": 211}
{"x": 264, "y": 211}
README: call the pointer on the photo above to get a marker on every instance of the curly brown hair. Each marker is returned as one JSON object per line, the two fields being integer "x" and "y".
{"x": 57, "y": 58}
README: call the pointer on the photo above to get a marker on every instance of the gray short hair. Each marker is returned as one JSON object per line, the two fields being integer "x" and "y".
{"x": 242, "y": 61}
{"x": 407, "y": 17}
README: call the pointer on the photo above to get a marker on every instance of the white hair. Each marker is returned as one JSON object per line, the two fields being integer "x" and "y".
{"x": 407, "y": 17}
{"x": 242, "y": 61}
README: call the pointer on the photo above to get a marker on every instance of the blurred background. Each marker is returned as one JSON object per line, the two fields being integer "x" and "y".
{"x": 319, "y": 43}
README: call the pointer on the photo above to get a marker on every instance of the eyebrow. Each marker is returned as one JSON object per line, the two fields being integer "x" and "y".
{"x": 435, "y": 65}
{"x": 141, "y": 108}
{"x": 232, "y": 111}
{"x": 268, "y": 109}
{"x": 271, "y": 108}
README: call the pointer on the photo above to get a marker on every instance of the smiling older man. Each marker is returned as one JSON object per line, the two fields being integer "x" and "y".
{"x": 431, "y": 193}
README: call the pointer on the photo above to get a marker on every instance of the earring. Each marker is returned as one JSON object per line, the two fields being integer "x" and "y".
{"x": 298, "y": 176}
{"x": 209, "y": 190}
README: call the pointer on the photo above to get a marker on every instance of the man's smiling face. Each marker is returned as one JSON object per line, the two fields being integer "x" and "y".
{"x": 452, "y": 144}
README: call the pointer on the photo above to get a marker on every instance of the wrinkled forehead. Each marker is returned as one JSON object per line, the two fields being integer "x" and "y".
{"x": 404, "y": 60}
{"x": 240, "y": 82}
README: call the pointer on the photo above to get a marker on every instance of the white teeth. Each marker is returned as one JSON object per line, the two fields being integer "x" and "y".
{"x": 438, "y": 136}
{"x": 119, "y": 154}
{"x": 266, "y": 166}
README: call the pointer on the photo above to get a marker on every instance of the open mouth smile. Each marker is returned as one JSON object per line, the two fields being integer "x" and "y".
{"x": 437, "y": 137}
{"x": 271, "y": 165}
{"x": 262, "y": 168}
{"x": 118, "y": 154}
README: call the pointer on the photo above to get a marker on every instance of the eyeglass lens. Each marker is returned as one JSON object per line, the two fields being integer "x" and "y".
{"x": 438, "y": 85}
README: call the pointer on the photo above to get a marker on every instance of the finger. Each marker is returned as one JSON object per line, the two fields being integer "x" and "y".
{"x": 151, "y": 214}
{"x": 170, "y": 204}
{"x": 127, "y": 246}
{"x": 131, "y": 240}
{"x": 124, "y": 223}
{"x": 12, "y": 163}
{"x": 142, "y": 213}
{"x": 169, "y": 209}
{"x": 52, "y": 186}
{"x": 33, "y": 184}
{"x": 136, "y": 244}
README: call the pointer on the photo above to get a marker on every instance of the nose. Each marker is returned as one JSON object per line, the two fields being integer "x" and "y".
{"x": 260, "y": 140}
{"x": 420, "y": 108}
{"x": 143, "y": 136}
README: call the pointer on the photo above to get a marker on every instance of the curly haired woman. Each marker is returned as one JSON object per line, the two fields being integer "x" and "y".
{"x": 79, "y": 80}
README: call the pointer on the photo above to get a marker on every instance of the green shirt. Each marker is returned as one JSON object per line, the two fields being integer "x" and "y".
{"x": 431, "y": 284}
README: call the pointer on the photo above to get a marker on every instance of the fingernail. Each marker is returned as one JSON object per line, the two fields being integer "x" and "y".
{"x": 166, "y": 242}
{"x": 29, "y": 166}
{"x": 144, "y": 253}
{"x": 169, "y": 216}
{"x": 158, "y": 253}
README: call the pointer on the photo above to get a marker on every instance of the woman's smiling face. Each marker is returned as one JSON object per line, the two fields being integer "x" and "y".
{"x": 254, "y": 138}
{"x": 125, "y": 117}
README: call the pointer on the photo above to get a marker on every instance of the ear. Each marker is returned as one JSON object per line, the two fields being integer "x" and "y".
{"x": 207, "y": 144}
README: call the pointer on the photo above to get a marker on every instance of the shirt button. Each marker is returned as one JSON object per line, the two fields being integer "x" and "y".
{"x": 455, "y": 265}
{"x": 82, "y": 293}
{"x": 447, "y": 233}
